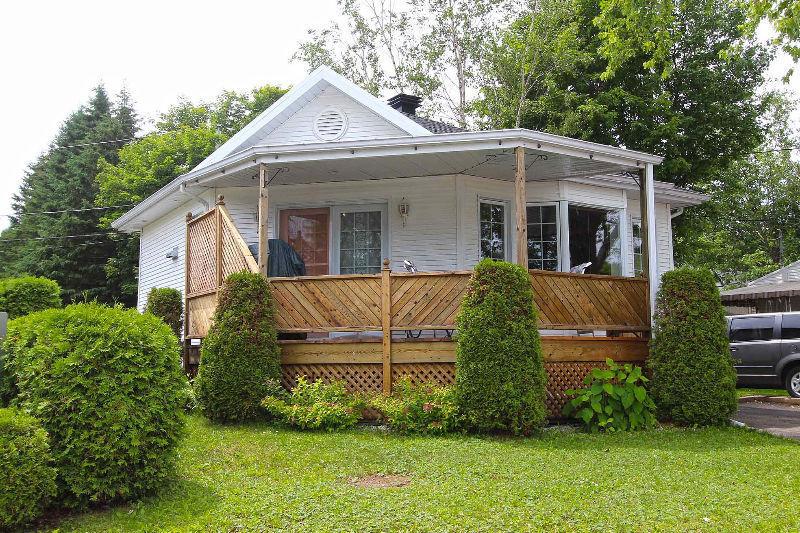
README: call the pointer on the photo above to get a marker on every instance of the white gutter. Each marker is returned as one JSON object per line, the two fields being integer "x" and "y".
{"x": 675, "y": 214}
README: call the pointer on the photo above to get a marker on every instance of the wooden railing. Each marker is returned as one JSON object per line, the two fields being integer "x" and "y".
{"x": 616, "y": 308}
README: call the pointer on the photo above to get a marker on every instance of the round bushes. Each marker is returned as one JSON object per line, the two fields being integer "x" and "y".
{"x": 167, "y": 304}
{"x": 27, "y": 481}
{"x": 25, "y": 295}
{"x": 500, "y": 378}
{"x": 107, "y": 386}
{"x": 240, "y": 354}
{"x": 694, "y": 382}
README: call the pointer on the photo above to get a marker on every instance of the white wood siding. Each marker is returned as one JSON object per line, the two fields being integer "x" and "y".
{"x": 441, "y": 232}
{"x": 299, "y": 128}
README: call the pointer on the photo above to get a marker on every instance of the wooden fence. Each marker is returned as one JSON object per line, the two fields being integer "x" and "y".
{"x": 368, "y": 319}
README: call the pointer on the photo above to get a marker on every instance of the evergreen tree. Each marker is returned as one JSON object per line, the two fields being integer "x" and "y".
{"x": 63, "y": 180}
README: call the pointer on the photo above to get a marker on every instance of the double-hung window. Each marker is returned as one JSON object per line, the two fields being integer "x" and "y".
{"x": 361, "y": 236}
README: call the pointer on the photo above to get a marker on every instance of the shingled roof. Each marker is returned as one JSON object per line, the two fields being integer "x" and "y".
{"x": 434, "y": 126}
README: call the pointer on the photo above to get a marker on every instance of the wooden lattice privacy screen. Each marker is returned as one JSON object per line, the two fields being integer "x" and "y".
{"x": 377, "y": 311}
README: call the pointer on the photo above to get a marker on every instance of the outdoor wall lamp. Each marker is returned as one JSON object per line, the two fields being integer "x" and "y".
{"x": 404, "y": 209}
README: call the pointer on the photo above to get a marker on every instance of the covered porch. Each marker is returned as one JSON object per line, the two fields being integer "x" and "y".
{"x": 365, "y": 321}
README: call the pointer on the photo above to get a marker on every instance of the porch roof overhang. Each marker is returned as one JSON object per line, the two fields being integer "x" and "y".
{"x": 485, "y": 154}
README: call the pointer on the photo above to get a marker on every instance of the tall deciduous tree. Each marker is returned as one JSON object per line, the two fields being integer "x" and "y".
{"x": 432, "y": 48}
{"x": 56, "y": 201}
{"x": 700, "y": 117}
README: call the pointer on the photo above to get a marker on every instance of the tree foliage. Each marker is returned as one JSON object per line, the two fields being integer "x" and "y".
{"x": 500, "y": 378}
{"x": 751, "y": 224}
{"x": 694, "y": 382}
{"x": 701, "y": 117}
{"x": 25, "y": 295}
{"x": 56, "y": 200}
{"x": 167, "y": 304}
{"x": 107, "y": 386}
{"x": 240, "y": 355}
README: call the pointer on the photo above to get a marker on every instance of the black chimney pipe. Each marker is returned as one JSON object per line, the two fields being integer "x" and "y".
{"x": 405, "y": 103}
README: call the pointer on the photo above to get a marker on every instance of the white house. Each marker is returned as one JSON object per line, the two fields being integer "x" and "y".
{"x": 352, "y": 179}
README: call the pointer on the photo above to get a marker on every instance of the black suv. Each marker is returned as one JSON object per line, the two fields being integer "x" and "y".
{"x": 766, "y": 350}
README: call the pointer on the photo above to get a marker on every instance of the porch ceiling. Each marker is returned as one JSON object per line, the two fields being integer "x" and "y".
{"x": 496, "y": 163}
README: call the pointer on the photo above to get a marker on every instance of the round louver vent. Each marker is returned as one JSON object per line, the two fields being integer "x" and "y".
{"x": 330, "y": 125}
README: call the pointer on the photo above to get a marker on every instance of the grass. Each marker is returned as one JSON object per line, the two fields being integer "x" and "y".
{"x": 256, "y": 477}
{"x": 762, "y": 392}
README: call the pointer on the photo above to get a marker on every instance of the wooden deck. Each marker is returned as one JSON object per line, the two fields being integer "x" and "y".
{"x": 611, "y": 313}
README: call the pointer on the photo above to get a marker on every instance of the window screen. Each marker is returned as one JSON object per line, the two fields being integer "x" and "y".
{"x": 752, "y": 329}
{"x": 790, "y": 328}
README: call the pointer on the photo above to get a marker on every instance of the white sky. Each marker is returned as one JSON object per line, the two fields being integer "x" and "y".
{"x": 53, "y": 53}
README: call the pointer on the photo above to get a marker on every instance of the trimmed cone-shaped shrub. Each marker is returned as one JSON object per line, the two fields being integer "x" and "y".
{"x": 28, "y": 294}
{"x": 27, "y": 481}
{"x": 240, "y": 354}
{"x": 500, "y": 377}
{"x": 694, "y": 382}
{"x": 167, "y": 304}
{"x": 106, "y": 385}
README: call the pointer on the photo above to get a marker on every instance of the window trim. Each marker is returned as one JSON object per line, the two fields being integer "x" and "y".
{"x": 622, "y": 212}
{"x": 506, "y": 243}
{"x": 559, "y": 250}
{"x": 336, "y": 227}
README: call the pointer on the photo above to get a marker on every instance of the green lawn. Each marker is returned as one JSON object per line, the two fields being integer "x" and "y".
{"x": 762, "y": 392}
{"x": 255, "y": 477}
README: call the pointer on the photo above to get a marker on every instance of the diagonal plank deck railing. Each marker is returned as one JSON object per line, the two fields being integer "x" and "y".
{"x": 378, "y": 309}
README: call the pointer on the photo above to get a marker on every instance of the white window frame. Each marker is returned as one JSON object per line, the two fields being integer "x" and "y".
{"x": 622, "y": 230}
{"x": 506, "y": 214}
{"x": 636, "y": 222}
{"x": 557, "y": 205}
{"x": 336, "y": 227}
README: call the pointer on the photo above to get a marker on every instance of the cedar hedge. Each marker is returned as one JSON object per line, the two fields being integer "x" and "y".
{"x": 27, "y": 481}
{"x": 167, "y": 304}
{"x": 28, "y": 294}
{"x": 500, "y": 377}
{"x": 694, "y": 381}
{"x": 107, "y": 386}
{"x": 240, "y": 354}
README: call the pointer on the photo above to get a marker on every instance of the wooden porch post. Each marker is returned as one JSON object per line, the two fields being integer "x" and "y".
{"x": 263, "y": 216}
{"x": 648, "y": 233}
{"x": 521, "y": 227}
{"x": 386, "y": 325}
{"x": 218, "y": 242}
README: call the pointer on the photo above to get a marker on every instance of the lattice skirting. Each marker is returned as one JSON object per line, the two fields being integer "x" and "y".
{"x": 368, "y": 377}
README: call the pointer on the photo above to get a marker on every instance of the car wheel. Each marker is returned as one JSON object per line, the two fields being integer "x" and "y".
{"x": 792, "y": 382}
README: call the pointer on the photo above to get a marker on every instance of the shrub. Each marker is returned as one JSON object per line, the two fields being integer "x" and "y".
{"x": 694, "y": 381}
{"x": 107, "y": 386}
{"x": 27, "y": 481}
{"x": 424, "y": 409}
{"x": 240, "y": 353}
{"x": 500, "y": 378}
{"x": 614, "y": 399}
{"x": 167, "y": 304}
{"x": 316, "y": 405}
{"x": 25, "y": 295}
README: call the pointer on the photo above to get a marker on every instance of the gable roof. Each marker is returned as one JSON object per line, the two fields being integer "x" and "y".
{"x": 300, "y": 94}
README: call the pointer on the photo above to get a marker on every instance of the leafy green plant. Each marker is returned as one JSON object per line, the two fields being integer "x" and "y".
{"x": 27, "y": 481}
{"x": 425, "y": 408}
{"x": 614, "y": 399}
{"x": 241, "y": 353}
{"x": 694, "y": 382}
{"x": 500, "y": 378}
{"x": 167, "y": 304}
{"x": 106, "y": 385}
{"x": 28, "y": 294}
{"x": 316, "y": 405}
